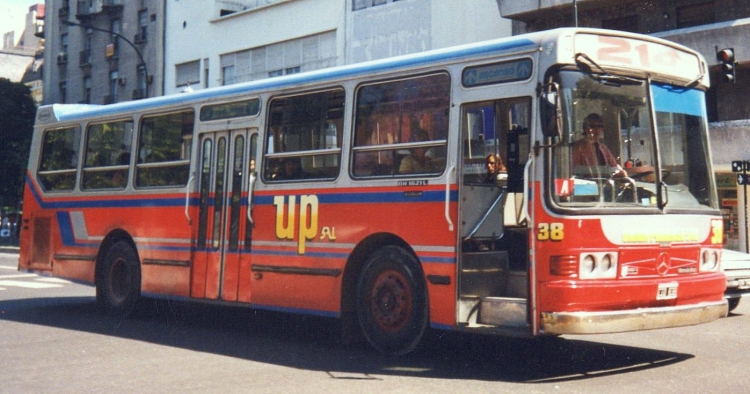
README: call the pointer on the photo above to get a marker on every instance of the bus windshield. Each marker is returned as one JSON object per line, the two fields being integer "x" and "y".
{"x": 610, "y": 156}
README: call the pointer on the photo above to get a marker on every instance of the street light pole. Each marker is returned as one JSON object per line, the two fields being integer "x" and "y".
{"x": 137, "y": 51}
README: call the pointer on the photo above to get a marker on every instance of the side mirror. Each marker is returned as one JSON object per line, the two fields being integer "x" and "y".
{"x": 550, "y": 110}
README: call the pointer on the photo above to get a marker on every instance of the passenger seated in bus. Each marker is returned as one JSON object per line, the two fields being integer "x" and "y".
{"x": 591, "y": 154}
{"x": 417, "y": 162}
{"x": 496, "y": 171}
{"x": 290, "y": 169}
{"x": 120, "y": 177}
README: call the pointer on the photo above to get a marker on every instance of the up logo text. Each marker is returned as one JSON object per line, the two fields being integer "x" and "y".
{"x": 306, "y": 228}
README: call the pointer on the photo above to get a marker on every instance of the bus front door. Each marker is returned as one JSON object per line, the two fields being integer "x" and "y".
{"x": 224, "y": 227}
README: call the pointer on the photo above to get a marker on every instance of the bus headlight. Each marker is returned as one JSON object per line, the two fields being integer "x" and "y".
{"x": 599, "y": 265}
{"x": 709, "y": 260}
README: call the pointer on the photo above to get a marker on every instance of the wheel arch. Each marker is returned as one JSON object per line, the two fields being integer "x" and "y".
{"x": 354, "y": 266}
{"x": 111, "y": 239}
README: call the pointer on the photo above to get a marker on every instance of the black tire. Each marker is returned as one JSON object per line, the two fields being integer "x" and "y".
{"x": 733, "y": 303}
{"x": 118, "y": 284}
{"x": 392, "y": 301}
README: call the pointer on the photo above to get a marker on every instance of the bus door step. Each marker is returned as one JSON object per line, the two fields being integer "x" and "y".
{"x": 503, "y": 311}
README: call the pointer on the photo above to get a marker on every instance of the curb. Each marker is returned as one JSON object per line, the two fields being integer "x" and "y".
{"x": 9, "y": 249}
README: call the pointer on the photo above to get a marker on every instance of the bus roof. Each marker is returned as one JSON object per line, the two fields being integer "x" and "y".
{"x": 509, "y": 45}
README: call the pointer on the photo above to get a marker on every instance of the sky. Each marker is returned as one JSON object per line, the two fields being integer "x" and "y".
{"x": 13, "y": 15}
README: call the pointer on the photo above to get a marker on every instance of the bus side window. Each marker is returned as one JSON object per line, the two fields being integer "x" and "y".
{"x": 401, "y": 127}
{"x": 107, "y": 161}
{"x": 164, "y": 149}
{"x": 59, "y": 161}
{"x": 304, "y": 136}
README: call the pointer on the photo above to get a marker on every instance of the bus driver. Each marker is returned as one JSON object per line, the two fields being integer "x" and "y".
{"x": 588, "y": 152}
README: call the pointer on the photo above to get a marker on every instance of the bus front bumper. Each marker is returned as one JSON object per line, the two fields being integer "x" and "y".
{"x": 559, "y": 323}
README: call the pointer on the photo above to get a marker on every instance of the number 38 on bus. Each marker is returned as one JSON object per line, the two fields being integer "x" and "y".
{"x": 553, "y": 183}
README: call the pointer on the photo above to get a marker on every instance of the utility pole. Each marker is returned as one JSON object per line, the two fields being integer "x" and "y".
{"x": 741, "y": 168}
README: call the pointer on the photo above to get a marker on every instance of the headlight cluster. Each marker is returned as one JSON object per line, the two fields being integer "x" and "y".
{"x": 710, "y": 260}
{"x": 599, "y": 265}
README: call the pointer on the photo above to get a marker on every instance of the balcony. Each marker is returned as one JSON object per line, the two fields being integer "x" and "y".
{"x": 112, "y": 4}
{"x": 62, "y": 58}
{"x": 113, "y": 8}
{"x": 87, "y": 9}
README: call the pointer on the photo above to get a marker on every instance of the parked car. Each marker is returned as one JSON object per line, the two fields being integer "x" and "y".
{"x": 736, "y": 266}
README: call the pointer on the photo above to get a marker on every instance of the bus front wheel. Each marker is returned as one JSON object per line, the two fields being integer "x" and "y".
{"x": 118, "y": 284}
{"x": 392, "y": 302}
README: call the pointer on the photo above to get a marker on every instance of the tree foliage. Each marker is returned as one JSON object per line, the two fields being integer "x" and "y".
{"x": 17, "y": 112}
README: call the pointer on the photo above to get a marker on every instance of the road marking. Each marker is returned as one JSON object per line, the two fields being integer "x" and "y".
{"x": 29, "y": 285}
{"x": 54, "y": 280}
{"x": 18, "y": 276}
{"x": 34, "y": 281}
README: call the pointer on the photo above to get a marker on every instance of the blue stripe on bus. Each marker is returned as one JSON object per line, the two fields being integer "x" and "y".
{"x": 78, "y": 112}
{"x": 371, "y": 198}
{"x": 337, "y": 198}
{"x": 66, "y": 229}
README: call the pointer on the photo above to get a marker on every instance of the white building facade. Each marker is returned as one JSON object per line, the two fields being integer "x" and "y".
{"x": 237, "y": 41}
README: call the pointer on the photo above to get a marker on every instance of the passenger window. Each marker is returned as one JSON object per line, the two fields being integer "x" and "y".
{"x": 304, "y": 137}
{"x": 59, "y": 161}
{"x": 164, "y": 149}
{"x": 401, "y": 127}
{"x": 107, "y": 161}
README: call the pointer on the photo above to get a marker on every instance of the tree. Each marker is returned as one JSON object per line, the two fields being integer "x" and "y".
{"x": 17, "y": 112}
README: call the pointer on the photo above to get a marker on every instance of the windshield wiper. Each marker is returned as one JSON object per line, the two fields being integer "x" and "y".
{"x": 603, "y": 76}
{"x": 616, "y": 79}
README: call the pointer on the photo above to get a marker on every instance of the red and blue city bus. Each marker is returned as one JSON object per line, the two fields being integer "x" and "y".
{"x": 361, "y": 192}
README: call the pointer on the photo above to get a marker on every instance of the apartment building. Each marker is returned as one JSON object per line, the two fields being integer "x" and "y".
{"x": 103, "y": 51}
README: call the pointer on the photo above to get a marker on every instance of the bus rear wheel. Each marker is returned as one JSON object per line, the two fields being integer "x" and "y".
{"x": 392, "y": 301}
{"x": 118, "y": 284}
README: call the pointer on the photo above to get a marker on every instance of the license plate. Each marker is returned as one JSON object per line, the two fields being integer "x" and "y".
{"x": 667, "y": 291}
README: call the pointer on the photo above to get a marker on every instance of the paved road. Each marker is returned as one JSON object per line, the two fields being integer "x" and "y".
{"x": 53, "y": 340}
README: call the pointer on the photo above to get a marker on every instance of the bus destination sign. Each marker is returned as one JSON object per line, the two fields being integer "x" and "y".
{"x": 516, "y": 70}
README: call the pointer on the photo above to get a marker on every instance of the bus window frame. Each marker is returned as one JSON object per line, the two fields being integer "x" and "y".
{"x": 77, "y": 128}
{"x": 267, "y": 175}
{"x": 397, "y": 147}
{"x": 107, "y": 168}
{"x": 186, "y": 149}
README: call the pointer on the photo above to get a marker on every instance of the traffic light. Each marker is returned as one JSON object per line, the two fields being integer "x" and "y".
{"x": 728, "y": 64}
